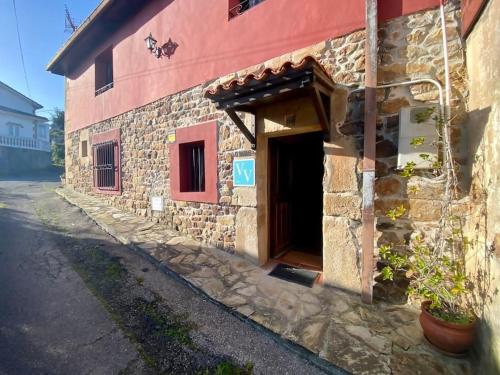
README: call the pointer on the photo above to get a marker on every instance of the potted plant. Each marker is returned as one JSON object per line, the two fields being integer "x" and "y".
{"x": 440, "y": 281}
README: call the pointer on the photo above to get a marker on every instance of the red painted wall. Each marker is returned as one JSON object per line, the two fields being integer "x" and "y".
{"x": 210, "y": 46}
{"x": 470, "y": 12}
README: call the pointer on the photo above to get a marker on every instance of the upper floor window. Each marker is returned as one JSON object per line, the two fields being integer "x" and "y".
{"x": 42, "y": 131}
{"x": 104, "y": 71}
{"x": 236, "y": 7}
{"x": 14, "y": 129}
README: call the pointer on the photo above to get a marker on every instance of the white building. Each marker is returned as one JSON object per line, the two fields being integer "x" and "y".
{"x": 24, "y": 136}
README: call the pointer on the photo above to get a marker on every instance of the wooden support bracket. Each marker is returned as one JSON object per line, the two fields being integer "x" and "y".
{"x": 321, "y": 102}
{"x": 236, "y": 119}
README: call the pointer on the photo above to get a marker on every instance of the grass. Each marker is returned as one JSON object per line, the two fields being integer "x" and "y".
{"x": 175, "y": 326}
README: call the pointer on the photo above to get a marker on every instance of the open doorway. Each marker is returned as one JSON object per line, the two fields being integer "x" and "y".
{"x": 296, "y": 199}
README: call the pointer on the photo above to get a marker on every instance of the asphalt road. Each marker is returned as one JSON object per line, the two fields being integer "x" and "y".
{"x": 51, "y": 323}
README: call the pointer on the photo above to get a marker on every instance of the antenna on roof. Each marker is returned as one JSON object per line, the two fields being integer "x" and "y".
{"x": 69, "y": 22}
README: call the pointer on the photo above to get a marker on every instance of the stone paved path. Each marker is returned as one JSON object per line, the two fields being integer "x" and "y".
{"x": 377, "y": 339}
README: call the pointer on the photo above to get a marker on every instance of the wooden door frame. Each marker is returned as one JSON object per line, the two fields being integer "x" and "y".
{"x": 262, "y": 168}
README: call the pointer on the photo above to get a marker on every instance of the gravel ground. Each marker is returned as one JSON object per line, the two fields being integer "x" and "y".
{"x": 170, "y": 328}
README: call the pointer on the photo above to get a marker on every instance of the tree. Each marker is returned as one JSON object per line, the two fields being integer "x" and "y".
{"x": 57, "y": 137}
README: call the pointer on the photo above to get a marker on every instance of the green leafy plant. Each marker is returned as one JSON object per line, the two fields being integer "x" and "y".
{"x": 434, "y": 267}
{"x": 396, "y": 213}
{"x": 440, "y": 279}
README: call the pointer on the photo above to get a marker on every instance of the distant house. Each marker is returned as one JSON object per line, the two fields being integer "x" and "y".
{"x": 24, "y": 136}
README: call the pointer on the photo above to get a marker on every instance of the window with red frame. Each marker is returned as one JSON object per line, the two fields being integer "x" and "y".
{"x": 193, "y": 164}
{"x": 106, "y": 166}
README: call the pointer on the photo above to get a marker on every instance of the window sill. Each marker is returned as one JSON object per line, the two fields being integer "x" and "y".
{"x": 104, "y": 89}
{"x": 106, "y": 191}
{"x": 195, "y": 196}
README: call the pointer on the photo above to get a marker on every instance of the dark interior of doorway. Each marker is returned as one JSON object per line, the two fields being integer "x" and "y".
{"x": 296, "y": 199}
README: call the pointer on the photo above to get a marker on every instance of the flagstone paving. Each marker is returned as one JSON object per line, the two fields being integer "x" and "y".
{"x": 363, "y": 339}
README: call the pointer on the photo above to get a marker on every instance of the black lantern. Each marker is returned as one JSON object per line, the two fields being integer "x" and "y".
{"x": 167, "y": 49}
{"x": 150, "y": 43}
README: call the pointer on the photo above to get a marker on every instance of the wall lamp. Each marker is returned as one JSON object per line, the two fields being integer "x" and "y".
{"x": 167, "y": 49}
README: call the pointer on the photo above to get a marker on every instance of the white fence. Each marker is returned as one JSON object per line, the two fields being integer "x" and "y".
{"x": 27, "y": 143}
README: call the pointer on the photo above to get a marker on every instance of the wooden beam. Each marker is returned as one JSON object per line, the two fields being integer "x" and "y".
{"x": 236, "y": 119}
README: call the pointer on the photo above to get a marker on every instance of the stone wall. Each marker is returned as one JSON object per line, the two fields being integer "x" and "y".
{"x": 410, "y": 47}
{"x": 18, "y": 160}
{"x": 145, "y": 165}
{"x": 483, "y": 49}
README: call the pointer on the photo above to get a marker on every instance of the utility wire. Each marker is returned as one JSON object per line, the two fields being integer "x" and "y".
{"x": 21, "y": 49}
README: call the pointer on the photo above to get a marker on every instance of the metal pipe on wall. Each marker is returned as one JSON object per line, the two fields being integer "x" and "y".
{"x": 368, "y": 219}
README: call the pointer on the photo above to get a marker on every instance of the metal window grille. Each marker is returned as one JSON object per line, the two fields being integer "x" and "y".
{"x": 198, "y": 168}
{"x": 242, "y": 6}
{"x": 105, "y": 165}
{"x": 192, "y": 167}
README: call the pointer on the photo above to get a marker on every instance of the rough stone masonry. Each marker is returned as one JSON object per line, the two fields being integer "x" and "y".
{"x": 410, "y": 48}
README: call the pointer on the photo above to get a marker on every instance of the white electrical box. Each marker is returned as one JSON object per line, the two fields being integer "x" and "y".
{"x": 157, "y": 203}
{"x": 409, "y": 129}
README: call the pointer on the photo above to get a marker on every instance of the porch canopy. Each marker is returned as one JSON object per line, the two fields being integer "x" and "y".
{"x": 289, "y": 81}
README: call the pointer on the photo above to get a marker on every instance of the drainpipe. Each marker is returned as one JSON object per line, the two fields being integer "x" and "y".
{"x": 368, "y": 222}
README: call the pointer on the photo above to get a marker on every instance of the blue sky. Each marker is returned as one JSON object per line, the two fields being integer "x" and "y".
{"x": 41, "y": 25}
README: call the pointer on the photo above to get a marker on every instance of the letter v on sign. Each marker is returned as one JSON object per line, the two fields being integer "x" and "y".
{"x": 244, "y": 172}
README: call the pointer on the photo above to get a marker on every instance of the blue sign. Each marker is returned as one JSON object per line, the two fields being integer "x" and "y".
{"x": 244, "y": 172}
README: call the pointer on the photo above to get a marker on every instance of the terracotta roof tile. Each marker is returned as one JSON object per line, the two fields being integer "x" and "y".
{"x": 263, "y": 75}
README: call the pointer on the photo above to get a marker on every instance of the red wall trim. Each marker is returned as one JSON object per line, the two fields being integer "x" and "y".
{"x": 215, "y": 47}
{"x": 206, "y": 132}
{"x": 111, "y": 135}
{"x": 471, "y": 10}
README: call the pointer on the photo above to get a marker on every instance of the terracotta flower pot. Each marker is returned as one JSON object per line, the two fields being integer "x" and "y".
{"x": 451, "y": 338}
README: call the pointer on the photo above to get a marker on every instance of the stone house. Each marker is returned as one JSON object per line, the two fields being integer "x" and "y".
{"x": 240, "y": 124}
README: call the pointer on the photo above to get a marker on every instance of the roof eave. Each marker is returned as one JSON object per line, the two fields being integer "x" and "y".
{"x": 15, "y": 92}
{"x": 54, "y": 65}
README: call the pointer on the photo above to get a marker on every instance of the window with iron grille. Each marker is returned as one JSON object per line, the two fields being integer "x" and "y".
{"x": 192, "y": 167}
{"x": 106, "y": 165}
{"x": 237, "y": 7}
